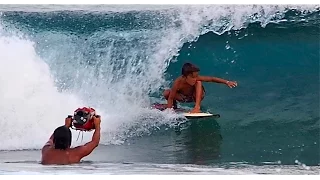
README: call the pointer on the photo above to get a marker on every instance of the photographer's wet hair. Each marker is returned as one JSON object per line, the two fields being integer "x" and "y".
{"x": 189, "y": 68}
{"x": 62, "y": 138}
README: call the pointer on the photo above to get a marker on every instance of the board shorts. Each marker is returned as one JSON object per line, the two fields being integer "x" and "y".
{"x": 188, "y": 99}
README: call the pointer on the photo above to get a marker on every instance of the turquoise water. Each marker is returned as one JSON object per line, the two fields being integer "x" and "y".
{"x": 119, "y": 59}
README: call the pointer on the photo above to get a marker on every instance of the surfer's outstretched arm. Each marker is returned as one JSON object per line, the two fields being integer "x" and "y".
{"x": 231, "y": 84}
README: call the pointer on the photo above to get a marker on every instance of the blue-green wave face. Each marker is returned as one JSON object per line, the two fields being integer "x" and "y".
{"x": 119, "y": 59}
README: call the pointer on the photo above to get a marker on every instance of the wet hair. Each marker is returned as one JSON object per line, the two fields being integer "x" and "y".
{"x": 188, "y": 69}
{"x": 62, "y": 138}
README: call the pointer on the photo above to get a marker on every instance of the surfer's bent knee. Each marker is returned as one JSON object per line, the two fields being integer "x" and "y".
{"x": 199, "y": 83}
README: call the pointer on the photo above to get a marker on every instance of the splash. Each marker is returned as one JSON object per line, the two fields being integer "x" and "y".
{"x": 64, "y": 63}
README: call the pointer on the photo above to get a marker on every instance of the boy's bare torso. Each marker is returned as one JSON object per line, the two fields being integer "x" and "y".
{"x": 184, "y": 88}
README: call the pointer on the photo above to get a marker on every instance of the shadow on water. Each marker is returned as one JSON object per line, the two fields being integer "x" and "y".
{"x": 192, "y": 142}
{"x": 202, "y": 140}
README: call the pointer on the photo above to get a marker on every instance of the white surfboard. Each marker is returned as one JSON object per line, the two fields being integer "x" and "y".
{"x": 188, "y": 115}
{"x": 200, "y": 115}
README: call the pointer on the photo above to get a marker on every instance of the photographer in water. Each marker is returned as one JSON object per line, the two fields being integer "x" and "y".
{"x": 57, "y": 150}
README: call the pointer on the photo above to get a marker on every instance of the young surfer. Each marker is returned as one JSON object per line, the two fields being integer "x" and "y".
{"x": 188, "y": 87}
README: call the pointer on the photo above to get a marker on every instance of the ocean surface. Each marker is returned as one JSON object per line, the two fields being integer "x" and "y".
{"x": 119, "y": 59}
